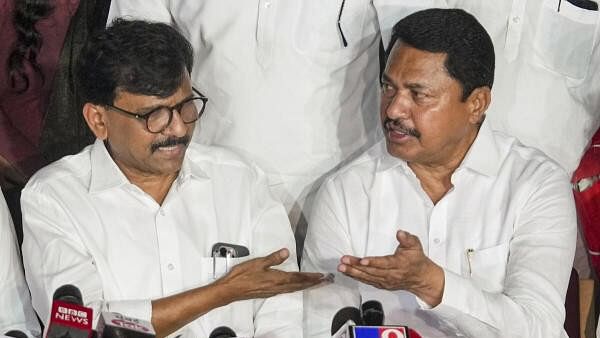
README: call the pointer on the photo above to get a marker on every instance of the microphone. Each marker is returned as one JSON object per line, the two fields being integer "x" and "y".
{"x": 68, "y": 317}
{"x": 115, "y": 325}
{"x": 372, "y": 313}
{"x": 15, "y": 334}
{"x": 342, "y": 321}
{"x": 222, "y": 332}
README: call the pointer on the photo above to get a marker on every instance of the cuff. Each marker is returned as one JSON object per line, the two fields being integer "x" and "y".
{"x": 139, "y": 309}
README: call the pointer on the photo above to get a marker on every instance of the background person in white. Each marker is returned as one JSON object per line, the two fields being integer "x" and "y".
{"x": 131, "y": 219}
{"x": 547, "y": 84}
{"x": 286, "y": 89}
{"x": 15, "y": 302}
{"x": 287, "y": 85}
{"x": 454, "y": 228}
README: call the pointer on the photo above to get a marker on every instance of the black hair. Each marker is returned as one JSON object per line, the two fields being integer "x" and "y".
{"x": 135, "y": 56}
{"x": 468, "y": 47}
{"x": 28, "y": 43}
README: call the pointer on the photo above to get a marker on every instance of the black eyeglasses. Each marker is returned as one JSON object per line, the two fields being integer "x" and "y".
{"x": 158, "y": 119}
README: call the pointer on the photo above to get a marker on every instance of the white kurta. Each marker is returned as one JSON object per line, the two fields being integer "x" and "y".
{"x": 86, "y": 224}
{"x": 15, "y": 302}
{"x": 504, "y": 234}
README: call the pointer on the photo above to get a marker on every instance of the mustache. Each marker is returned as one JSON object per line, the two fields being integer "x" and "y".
{"x": 390, "y": 124}
{"x": 171, "y": 141}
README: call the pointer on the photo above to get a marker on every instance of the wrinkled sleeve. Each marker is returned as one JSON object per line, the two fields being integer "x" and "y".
{"x": 54, "y": 255}
{"x": 537, "y": 273}
{"x": 15, "y": 301}
{"x": 281, "y": 315}
{"x": 327, "y": 240}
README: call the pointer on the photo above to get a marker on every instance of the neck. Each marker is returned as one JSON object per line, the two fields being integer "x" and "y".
{"x": 155, "y": 185}
{"x": 435, "y": 176}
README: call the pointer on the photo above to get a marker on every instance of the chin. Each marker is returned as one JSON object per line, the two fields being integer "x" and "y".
{"x": 398, "y": 151}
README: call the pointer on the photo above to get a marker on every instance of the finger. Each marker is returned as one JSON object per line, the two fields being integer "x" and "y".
{"x": 350, "y": 260}
{"x": 308, "y": 278}
{"x": 275, "y": 258}
{"x": 408, "y": 240}
{"x": 360, "y": 273}
{"x": 381, "y": 262}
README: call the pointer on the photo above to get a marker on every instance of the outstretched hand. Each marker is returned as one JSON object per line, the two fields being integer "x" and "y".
{"x": 408, "y": 268}
{"x": 257, "y": 279}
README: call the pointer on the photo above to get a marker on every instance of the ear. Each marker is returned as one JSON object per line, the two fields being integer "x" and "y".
{"x": 95, "y": 117}
{"x": 479, "y": 101}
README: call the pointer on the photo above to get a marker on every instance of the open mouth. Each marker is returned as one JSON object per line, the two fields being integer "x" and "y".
{"x": 396, "y": 129}
{"x": 171, "y": 144}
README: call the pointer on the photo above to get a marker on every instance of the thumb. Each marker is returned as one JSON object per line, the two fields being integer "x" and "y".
{"x": 276, "y": 257}
{"x": 407, "y": 240}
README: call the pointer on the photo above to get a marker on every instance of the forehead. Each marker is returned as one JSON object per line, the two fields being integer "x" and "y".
{"x": 125, "y": 99}
{"x": 408, "y": 63}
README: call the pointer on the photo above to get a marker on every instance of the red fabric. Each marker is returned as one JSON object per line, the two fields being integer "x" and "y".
{"x": 588, "y": 201}
{"x": 21, "y": 115}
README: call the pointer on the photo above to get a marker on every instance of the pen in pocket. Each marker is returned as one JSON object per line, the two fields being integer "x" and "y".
{"x": 469, "y": 254}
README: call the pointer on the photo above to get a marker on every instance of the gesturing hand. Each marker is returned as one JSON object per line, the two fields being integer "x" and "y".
{"x": 256, "y": 279}
{"x": 407, "y": 269}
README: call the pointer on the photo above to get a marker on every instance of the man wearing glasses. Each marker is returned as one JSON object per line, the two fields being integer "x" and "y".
{"x": 132, "y": 220}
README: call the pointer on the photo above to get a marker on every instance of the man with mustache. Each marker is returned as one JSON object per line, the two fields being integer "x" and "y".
{"x": 132, "y": 219}
{"x": 455, "y": 228}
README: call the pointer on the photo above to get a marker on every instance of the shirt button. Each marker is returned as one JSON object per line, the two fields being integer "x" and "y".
{"x": 516, "y": 19}
{"x": 161, "y": 212}
{"x": 267, "y": 4}
{"x": 170, "y": 267}
{"x": 436, "y": 241}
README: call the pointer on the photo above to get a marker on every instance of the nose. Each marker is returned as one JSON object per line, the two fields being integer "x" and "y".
{"x": 177, "y": 127}
{"x": 398, "y": 106}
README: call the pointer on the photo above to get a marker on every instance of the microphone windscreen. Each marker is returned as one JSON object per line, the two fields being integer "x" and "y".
{"x": 222, "y": 332}
{"x": 15, "y": 334}
{"x": 69, "y": 294}
{"x": 343, "y": 316}
{"x": 372, "y": 313}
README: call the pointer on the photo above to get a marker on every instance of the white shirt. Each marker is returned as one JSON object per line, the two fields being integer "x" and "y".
{"x": 87, "y": 225}
{"x": 547, "y": 81}
{"x": 504, "y": 235}
{"x": 15, "y": 302}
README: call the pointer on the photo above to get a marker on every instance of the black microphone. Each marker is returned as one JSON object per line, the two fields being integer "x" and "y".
{"x": 69, "y": 294}
{"x": 115, "y": 325}
{"x": 68, "y": 317}
{"x": 343, "y": 319}
{"x": 15, "y": 334}
{"x": 222, "y": 332}
{"x": 372, "y": 313}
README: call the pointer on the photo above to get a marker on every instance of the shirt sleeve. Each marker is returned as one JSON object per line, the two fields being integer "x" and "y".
{"x": 152, "y": 10}
{"x": 15, "y": 301}
{"x": 281, "y": 315}
{"x": 327, "y": 240}
{"x": 540, "y": 258}
{"x": 54, "y": 255}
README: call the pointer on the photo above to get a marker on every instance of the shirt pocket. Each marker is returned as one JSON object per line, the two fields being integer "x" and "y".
{"x": 564, "y": 39}
{"x": 487, "y": 267}
{"x": 239, "y": 315}
{"x": 319, "y": 37}
{"x": 216, "y": 267}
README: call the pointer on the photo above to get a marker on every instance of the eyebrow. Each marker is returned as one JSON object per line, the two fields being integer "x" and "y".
{"x": 412, "y": 85}
{"x": 151, "y": 108}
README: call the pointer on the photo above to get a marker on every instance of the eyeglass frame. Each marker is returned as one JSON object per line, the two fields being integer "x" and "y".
{"x": 177, "y": 107}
